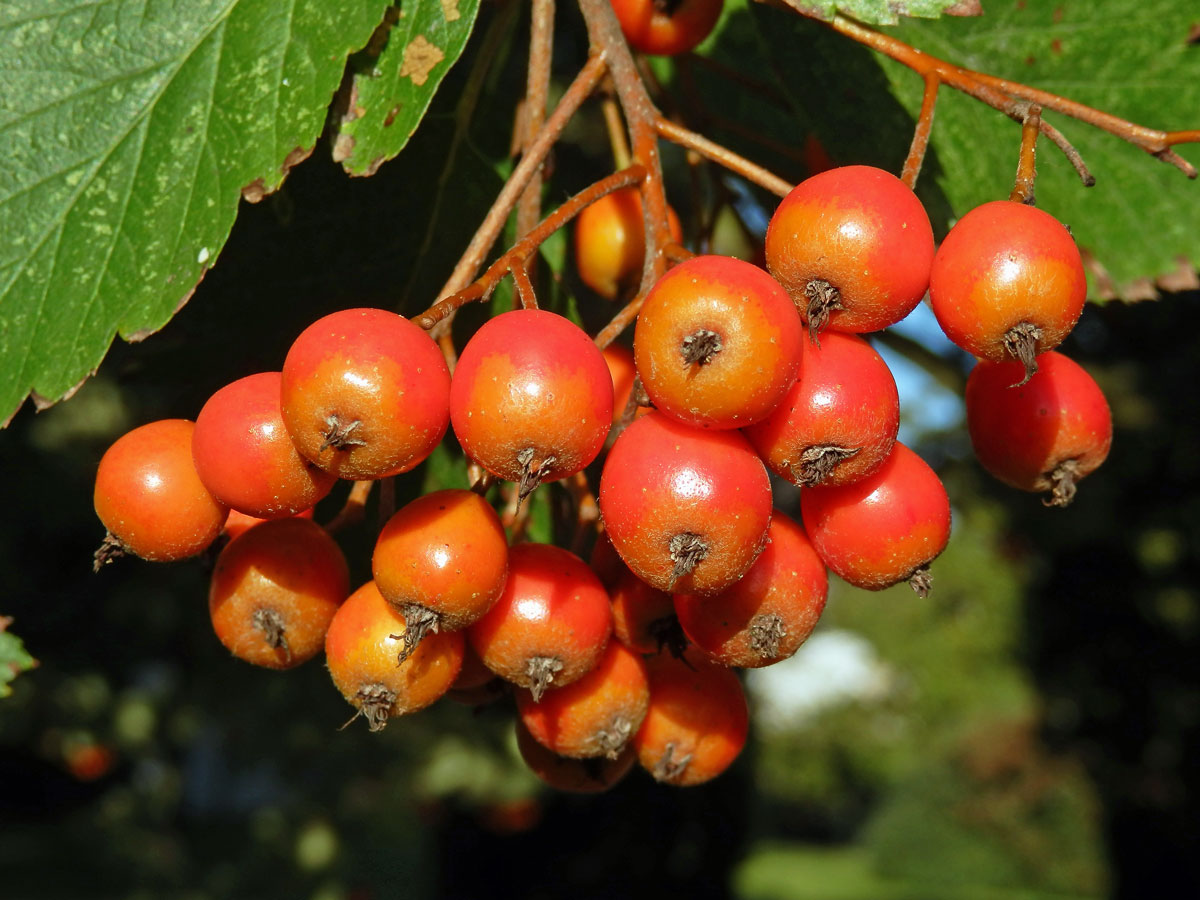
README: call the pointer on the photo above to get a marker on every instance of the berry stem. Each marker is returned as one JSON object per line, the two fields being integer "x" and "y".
{"x": 722, "y": 156}
{"x": 533, "y": 109}
{"x": 353, "y": 509}
{"x": 1022, "y": 191}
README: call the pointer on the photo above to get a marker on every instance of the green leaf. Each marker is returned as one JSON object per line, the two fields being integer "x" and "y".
{"x": 1142, "y": 219}
{"x": 130, "y": 130}
{"x": 13, "y": 657}
{"x": 1127, "y": 57}
{"x": 424, "y": 39}
{"x": 885, "y": 12}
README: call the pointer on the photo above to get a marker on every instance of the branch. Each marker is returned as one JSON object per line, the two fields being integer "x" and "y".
{"x": 716, "y": 153}
{"x": 537, "y": 90}
{"x": 1012, "y": 98}
{"x": 1022, "y": 191}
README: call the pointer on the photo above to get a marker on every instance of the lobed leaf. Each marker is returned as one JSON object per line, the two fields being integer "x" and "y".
{"x": 130, "y": 131}
{"x": 14, "y": 659}
{"x": 386, "y": 103}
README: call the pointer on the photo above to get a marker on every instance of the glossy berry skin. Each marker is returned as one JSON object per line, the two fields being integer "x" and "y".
{"x": 150, "y": 498}
{"x": 445, "y": 552}
{"x": 274, "y": 591}
{"x": 653, "y": 29}
{"x": 532, "y": 395}
{"x": 246, "y": 457}
{"x": 551, "y": 623}
{"x": 1001, "y": 265}
{"x": 861, "y": 231}
{"x": 620, "y": 365}
{"x": 643, "y": 617}
{"x": 361, "y": 649}
{"x": 839, "y": 418}
{"x": 1024, "y": 434}
{"x": 239, "y": 523}
{"x": 697, "y": 722}
{"x": 884, "y": 529}
{"x": 365, "y": 393}
{"x": 717, "y": 343}
{"x": 765, "y": 617}
{"x": 596, "y": 715}
{"x": 574, "y": 776}
{"x": 665, "y": 486}
{"x": 610, "y": 243}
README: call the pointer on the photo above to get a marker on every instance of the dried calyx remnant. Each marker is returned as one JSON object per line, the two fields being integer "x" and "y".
{"x": 418, "y": 622}
{"x": 375, "y": 705}
{"x": 1062, "y": 483}
{"x": 921, "y": 581}
{"x": 270, "y": 624}
{"x": 700, "y": 347}
{"x": 668, "y": 768}
{"x": 823, "y": 298}
{"x": 540, "y": 670}
{"x": 110, "y": 548}
{"x": 766, "y": 634}
{"x": 339, "y": 435}
{"x": 612, "y": 740}
{"x": 687, "y": 550}
{"x": 815, "y": 463}
{"x": 532, "y": 475}
{"x": 1021, "y": 343}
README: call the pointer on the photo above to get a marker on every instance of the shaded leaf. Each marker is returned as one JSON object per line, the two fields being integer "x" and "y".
{"x": 886, "y": 12}
{"x": 386, "y": 103}
{"x": 14, "y": 659}
{"x": 130, "y": 132}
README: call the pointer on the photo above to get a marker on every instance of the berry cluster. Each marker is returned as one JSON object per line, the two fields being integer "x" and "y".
{"x": 734, "y": 373}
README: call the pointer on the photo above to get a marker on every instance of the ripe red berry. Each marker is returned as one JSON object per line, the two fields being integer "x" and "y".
{"x": 361, "y": 648}
{"x": 150, "y": 498}
{"x": 274, "y": 591}
{"x": 532, "y": 399}
{"x": 717, "y": 342}
{"x": 442, "y": 561}
{"x": 697, "y": 722}
{"x": 765, "y": 617}
{"x": 644, "y": 617}
{"x": 575, "y": 776}
{"x": 239, "y": 523}
{"x": 1044, "y": 434}
{"x": 550, "y": 624}
{"x": 687, "y": 509}
{"x": 596, "y": 715}
{"x": 838, "y": 420}
{"x": 620, "y": 366}
{"x": 853, "y": 246}
{"x": 665, "y": 29}
{"x": 365, "y": 393}
{"x": 610, "y": 243}
{"x": 1008, "y": 283}
{"x": 246, "y": 457}
{"x": 884, "y": 529}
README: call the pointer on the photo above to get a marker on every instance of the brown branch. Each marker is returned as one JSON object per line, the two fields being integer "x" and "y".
{"x": 485, "y": 236}
{"x": 722, "y": 156}
{"x": 587, "y": 511}
{"x": 520, "y": 252}
{"x": 1022, "y": 191}
{"x": 620, "y": 322}
{"x": 537, "y": 90}
{"x": 1011, "y": 97}
{"x": 525, "y": 292}
{"x": 920, "y": 141}
{"x": 351, "y": 512}
{"x": 616, "y": 132}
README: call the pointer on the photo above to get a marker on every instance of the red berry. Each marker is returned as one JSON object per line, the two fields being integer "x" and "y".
{"x": 1007, "y": 283}
{"x": 596, "y": 715}
{"x": 717, "y": 342}
{"x": 853, "y": 246}
{"x": 666, "y": 29}
{"x": 150, "y": 498}
{"x": 765, "y": 617}
{"x": 532, "y": 398}
{"x": 1041, "y": 435}
{"x": 839, "y": 419}
{"x": 697, "y": 722}
{"x": 361, "y": 648}
{"x": 884, "y": 529}
{"x": 687, "y": 509}
{"x": 246, "y": 457}
{"x": 610, "y": 243}
{"x": 274, "y": 591}
{"x": 365, "y": 393}
{"x": 576, "y": 776}
{"x": 442, "y": 561}
{"x": 644, "y": 617}
{"x": 550, "y": 624}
